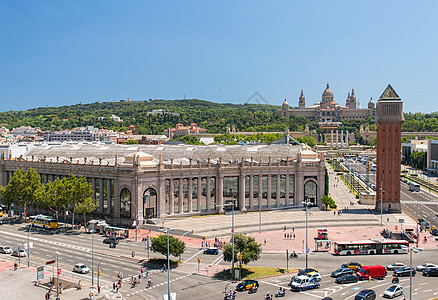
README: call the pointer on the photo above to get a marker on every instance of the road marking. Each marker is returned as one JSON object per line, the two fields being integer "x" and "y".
{"x": 423, "y": 283}
{"x": 197, "y": 253}
{"x": 218, "y": 260}
{"x": 425, "y": 291}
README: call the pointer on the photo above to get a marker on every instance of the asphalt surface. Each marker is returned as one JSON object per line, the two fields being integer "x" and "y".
{"x": 75, "y": 248}
{"x": 427, "y": 201}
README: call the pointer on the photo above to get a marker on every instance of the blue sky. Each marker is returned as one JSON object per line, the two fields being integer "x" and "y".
{"x": 64, "y": 52}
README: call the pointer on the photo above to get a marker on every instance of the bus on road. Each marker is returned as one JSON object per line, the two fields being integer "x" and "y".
{"x": 43, "y": 221}
{"x": 375, "y": 246}
{"x": 414, "y": 187}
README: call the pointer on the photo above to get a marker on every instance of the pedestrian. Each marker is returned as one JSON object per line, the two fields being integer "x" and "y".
{"x": 98, "y": 289}
{"x": 117, "y": 288}
{"x": 80, "y": 284}
{"x": 334, "y": 212}
{"x": 114, "y": 286}
{"x": 60, "y": 287}
{"x": 285, "y": 235}
{"x": 284, "y": 228}
{"x": 293, "y": 229}
{"x": 294, "y": 235}
{"x": 265, "y": 241}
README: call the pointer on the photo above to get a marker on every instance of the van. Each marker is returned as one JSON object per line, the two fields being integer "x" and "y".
{"x": 375, "y": 272}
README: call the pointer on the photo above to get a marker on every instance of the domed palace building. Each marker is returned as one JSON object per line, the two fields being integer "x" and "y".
{"x": 327, "y": 110}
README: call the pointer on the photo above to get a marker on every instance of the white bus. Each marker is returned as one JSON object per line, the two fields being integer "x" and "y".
{"x": 414, "y": 187}
{"x": 371, "y": 247}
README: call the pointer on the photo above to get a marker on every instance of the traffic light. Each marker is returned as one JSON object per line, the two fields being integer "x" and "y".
{"x": 133, "y": 253}
{"x": 100, "y": 272}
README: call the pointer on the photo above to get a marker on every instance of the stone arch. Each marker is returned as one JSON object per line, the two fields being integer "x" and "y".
{"x": 311, "y": 191}
{"x": 125, "y": 203}
{"x": 150, "y": 203}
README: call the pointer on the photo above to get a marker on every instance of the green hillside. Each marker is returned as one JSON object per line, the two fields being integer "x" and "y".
{"x": 210, "y": 115}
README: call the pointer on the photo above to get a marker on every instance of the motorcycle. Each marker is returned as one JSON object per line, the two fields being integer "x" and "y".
{"x": 292, "y": 255}
{"x": 253, "y": 290}
{"x": 395, "y": 280}
{"x": 280, "y": 294}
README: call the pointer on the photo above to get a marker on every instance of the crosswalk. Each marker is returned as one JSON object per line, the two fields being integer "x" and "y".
{"x": 419, "y": 202}
{"x": 157, "y": 285}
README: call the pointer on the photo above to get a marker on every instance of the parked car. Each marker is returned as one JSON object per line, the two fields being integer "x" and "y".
{"x": 434, "y": 232}
{"x": 348, "y": 278}
{"x": 341, "y": 271}
{"x": 421, "y": 220}
{"x": 81, "y": 268}
{"x": 394, "y": 266}
{"x": 352, "y": 265}
{"x": 19, "y": 253}
{"x": 5, "y": 249}
{"x": 214, "y": 251}
{"x": 366, "y": 295}
{"x": 393, "y": 291}
{"x": 111, "y": 240}
{"x": 404, "y": 271}
{"x": 430, "y": 272}
{"x": 246, "y": 285}
{"x": 425, "y": 266}
{"x": 375, "y": 272}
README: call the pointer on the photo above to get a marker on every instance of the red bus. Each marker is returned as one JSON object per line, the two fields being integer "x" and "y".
{"x": 375, "y": 246}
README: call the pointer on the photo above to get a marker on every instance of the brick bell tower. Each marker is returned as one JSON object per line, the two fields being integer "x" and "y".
{"x": 389, "y": 117}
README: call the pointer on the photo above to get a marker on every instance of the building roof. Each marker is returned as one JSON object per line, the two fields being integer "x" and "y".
{"x": 179, "y": 153}
{"x": 389, "y": 94}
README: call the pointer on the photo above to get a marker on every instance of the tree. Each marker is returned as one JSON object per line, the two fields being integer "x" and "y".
{"x": 77, "y": 190}
{"x": 52, "y": 196}
{"x": 189, "y": 139}
{"x": 246, "y": 245}
{"x": 159, "y": 244}
{"x": 327, "y": 184}
{"x": 86, "y": 206}
{"x": 21, "y": 188}
{"x": 328, "y": 202}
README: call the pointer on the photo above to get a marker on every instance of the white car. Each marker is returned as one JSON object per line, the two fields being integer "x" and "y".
{"x": 5, "y": 249}
{"x": 425, "y": 266}
{"x": 19, "y": 253}
{"x": 81, "y": 268}
{"x": 393, "y": 291}
{"x": 315, "y": 276}
{"x": 394, "y": 266}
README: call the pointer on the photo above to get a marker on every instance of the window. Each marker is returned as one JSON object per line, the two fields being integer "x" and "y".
{"x": 125, "y": 203}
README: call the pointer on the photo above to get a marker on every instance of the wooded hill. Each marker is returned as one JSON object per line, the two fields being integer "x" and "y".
{"x": 210, "y": 115}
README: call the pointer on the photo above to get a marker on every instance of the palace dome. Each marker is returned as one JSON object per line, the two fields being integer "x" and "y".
{"x": 327, "y": 92}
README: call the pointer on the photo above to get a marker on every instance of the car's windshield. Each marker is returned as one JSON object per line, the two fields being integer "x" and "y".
{"x": 297, "y": 280}
{"x": 362, "y": 270}
{"x": 82, "y": 267}
{"x": 392, "y": 288}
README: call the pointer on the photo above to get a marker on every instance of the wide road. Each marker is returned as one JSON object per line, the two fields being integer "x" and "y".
{"x": 427, "y": 201}
{"x": 74, "y": 248}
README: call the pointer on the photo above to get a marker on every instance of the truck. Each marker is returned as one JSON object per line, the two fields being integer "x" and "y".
{"x": 304, "y": 282}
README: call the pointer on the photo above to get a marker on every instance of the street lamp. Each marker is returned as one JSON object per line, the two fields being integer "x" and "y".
{"x": 183, "y": 241}
{"x": 57, "y": 276}
{"x": 28, "y": 244}
{"x": 232, "y": 233}
{"x": 260, "y": 213}
{"x": 166, "y": 230}
{"x": 98, "y": 270}
{"x": 92, "y": 255}
{"x": 413, "y": 249}
{"x": 418, "y": 231}
{"x": 306, "y": 204}
{"x": 381, "y": 203}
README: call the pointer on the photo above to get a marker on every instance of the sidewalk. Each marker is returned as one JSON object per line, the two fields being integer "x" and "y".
{"x": 20, "y": 284}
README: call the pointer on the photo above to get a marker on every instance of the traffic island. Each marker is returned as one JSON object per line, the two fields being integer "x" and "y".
{"x": 255, "y": 272}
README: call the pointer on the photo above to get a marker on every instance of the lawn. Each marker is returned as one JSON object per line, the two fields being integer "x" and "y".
{"x": 257, "y": 272}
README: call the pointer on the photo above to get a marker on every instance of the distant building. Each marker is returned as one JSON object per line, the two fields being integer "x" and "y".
{"x": 432, "y": 156}
{"x": 327, "y": 110}
{"x": 89, "y": 133}
{"x": 116, "y": 118}
{"x": 162, "y": 112}
{"x": 184, "y": 130}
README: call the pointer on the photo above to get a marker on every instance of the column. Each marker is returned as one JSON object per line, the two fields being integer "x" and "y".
{"x": 93, "y": 187}
{"x": 199, "y": 194}
{"x": 161, "y": 198}
{"x": 299, "y": 189}
{"x": 269, "y": 192}
{"x": 251, "y": 191}
{"x": 171, "y": 197}
{"x": 278, "y": 191}
{"x": 286, "y": 189}
{"x": 189, "y": 195}
{"x": 337, "y": 132}
{"x": 342, "y": 139}
{"x": 320, "y": 188}
{"x": 260, "y": 192}
{"x": 208, "y": 194}
{"x": 117, "y": 201}
{"x": 331, "y": 140}
{"x": 220, "y": 193}
{"x": 181, "y": 196}
{"x": 346, "y": 138}
{"x": 101, "y": 195}
{"x": 241, "y": 199}
{"x": 108, "y": 196}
